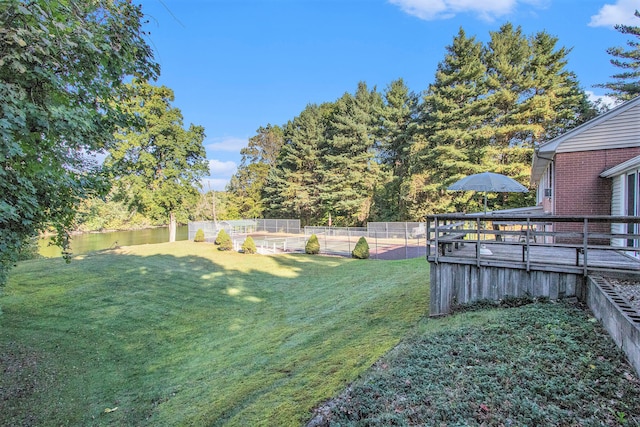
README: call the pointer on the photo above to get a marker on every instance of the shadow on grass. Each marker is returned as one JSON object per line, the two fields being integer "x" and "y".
{"x": 163, "y": 335}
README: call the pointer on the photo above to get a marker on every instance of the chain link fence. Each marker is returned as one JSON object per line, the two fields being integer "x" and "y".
{"x": 386, "y": 240}
{"x": 243, "y": 227}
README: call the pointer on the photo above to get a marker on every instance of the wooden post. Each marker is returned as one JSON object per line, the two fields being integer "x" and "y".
{"x": 478, "y": 241}
{"x": 585, "y": 240}
{"x": 427, "y": 234}
{"x": 436, "y": 225}
{"x": 528, "y": 247}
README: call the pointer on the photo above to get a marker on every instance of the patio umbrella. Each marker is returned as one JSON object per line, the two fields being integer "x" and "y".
{"x": 488, "y": 182}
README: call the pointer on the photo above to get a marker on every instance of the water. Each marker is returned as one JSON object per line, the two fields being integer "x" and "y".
{"x": 89, "y": 242}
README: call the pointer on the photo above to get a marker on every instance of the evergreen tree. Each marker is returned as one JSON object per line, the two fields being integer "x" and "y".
{"x": 626, "y": 84}
{"x": 223, "y": 240}
{"x": 396, "y": 134}
{"x": 158, "y": 166}
{"x": 361, "y": 250}
{"x": 292, "y": 189}
{"x": 350, "y": 174}
{"x": 555, "y": 102}
{"x": 509, "y": 81}
{"x": 249, "y": 246}
{"x": 486, "y": 111}
{"x": 312, "y": 247}
{"x": 533, "y": 98}
{"x": 452, "y": 114}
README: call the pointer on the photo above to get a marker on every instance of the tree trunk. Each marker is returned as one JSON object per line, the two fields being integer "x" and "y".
{"x": 172, "y": 227}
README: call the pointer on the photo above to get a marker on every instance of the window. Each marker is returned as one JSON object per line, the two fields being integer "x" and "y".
{"x": 632, "y": 207}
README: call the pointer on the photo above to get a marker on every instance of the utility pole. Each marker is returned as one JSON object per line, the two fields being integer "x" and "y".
{"x": 213, "y": 205}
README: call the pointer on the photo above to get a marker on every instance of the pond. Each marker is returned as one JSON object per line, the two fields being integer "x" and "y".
{"x": 89, "y": 242}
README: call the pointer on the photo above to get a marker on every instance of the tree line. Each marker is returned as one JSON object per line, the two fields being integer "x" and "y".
{"x": 390, "y": 155}
{"x": 75, "y": 87}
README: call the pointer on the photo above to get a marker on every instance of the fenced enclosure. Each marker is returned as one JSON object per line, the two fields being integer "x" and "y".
{"x": 288, "y": 226}
{"x": 243, "y": 227}
{"x": 386, "y": 240}
{"x": 209, "y": 228}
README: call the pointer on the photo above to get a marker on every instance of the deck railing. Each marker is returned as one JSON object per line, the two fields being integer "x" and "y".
{"x": 522, "y": 233}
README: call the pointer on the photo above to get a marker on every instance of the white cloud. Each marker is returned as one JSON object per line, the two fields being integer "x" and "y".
{"x": 444, "y": 9}
{"x": 220, "y": 168}
{"x": 220, "y": 173}
{"x": 230, "y": 143}
{"x": 214, "y": 184}
{"x": 608, "y": 101}
{"x": 622, "y": 12}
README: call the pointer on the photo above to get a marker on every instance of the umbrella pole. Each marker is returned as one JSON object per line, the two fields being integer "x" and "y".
{"x": 483, "y": 248}
{"x": 485, "y": 203}
{"x": 484, "y": 221}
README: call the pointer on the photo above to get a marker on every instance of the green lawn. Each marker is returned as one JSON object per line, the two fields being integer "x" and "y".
{"x": 181, "y": 334}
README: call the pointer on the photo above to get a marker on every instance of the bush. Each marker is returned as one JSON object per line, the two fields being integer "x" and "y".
{"x": 199, "y": 236}
{"x": 224, "y": 241}
{"x": 313, "y": 246}
{"x": 361, "y": 251}
{"x": 249, "y": 246}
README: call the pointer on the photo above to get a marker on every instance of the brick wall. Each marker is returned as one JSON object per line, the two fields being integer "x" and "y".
{"x": 579, "y": 190}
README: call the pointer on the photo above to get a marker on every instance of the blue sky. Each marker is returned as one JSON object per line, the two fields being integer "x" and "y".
{"x": 236, "y": 65}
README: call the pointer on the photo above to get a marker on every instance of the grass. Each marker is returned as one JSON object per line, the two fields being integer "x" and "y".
{"x": 183, "y": 334}
{"x": 539, "y": 364}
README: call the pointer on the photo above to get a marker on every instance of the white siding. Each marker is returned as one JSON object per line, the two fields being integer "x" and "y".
{"x": 544, "y": 183}
{"x": 617, "y": 207}
{"x": 621, "y": 131}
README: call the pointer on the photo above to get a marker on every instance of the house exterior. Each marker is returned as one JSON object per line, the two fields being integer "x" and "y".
{"x": 594, "y": 169}
{"x": 584, "y": 171}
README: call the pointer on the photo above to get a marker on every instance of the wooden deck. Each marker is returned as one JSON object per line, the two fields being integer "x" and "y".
{"x": 542, "y": 258}
{"x": 493, "y": 257}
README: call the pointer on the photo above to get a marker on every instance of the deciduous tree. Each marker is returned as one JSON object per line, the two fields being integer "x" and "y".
{"x": 258, "y": 158}
{"x": 62, "y": 64}
{"x": 159, "y": 166}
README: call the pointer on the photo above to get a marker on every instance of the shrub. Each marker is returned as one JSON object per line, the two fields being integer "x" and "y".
{"x": 224, "y": 241}
{"x": 313, "y": 246}
{"x": 199, "y": 236}
{"x": 361, "y": 251}
{"x": 249, "y": 246}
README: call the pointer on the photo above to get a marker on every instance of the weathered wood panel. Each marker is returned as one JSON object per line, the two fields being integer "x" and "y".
{"x": 453, "y": 284}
